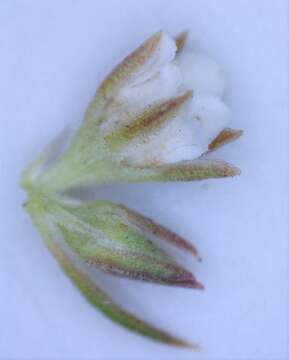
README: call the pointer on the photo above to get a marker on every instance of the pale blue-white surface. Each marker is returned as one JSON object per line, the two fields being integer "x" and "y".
{"x": 53, "y": 55}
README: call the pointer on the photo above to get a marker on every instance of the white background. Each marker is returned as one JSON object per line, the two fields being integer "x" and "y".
{"x": 53, "y": 55}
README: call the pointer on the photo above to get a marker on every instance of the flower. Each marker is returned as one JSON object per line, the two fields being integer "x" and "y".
{"x": 152, "y": 119}
{"x": 114, "y": 238}
{"x": 94, "y": 294}
{"x": 117, "y": 240}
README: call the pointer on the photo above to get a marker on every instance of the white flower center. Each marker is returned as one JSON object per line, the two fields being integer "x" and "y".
{"x": 188, "y": 134}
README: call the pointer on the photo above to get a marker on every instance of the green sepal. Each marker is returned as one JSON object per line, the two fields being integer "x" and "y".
{"x": 104, "y": 235}
{"x": 94, "y": 295}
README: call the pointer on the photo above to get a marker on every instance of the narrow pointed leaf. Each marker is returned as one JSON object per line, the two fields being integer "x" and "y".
{"x": 129, "y": 67}
{"x": 105, "y": 304}
{"x": 135, "y": 64}
{"x": 198, "y": 169}
{"x": 99, "y": 299}
{"x": 225, "y": 137}
{"x": 181, "y": 40}
{"x": 102, "y": 237}
{"x": 151, "y": 227}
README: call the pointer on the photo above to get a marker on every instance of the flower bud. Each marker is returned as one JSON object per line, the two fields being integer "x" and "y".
{"x": 116, "y": 240}
{"x": 159, "y": 109}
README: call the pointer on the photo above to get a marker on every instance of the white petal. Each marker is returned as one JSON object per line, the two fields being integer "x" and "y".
{"x": 132, "y": 100}
{"x": 201, "y": 74}
{"x": 181, "y": 142}
{"x": 163, "y": 85}
{"x": 163, "y": 55}
{"x": 175, "y": 142}
{"x": 157, "y": 80}
{"x": 188, "y": 135}
{"x": 211, "y": 114}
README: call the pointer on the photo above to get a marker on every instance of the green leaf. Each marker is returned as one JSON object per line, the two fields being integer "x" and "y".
{"x": 150, "y": 227}
{"x": 198, "y": 169}
{"x": 97, "y": 297}
{"x": 104, "y": 236}
{"x": 225, "y": 137}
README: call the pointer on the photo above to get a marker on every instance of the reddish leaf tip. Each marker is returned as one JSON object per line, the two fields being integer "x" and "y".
{"x": 188, "y": 280}
{"x": 187, "y": 345}
{"x": 198, "y": 285}
{"x": 235, "y": 171}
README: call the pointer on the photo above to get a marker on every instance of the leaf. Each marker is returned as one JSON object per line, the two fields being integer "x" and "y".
{"x": 225, "y": 137}
{"x": 152, "y": 228}
{"x": 99, "y": 299}
{"x": 105, "y": 238}
{"x": 198, "y": 169}
{"x": 136, "y": 65}
{"x": 181, "y": 40}
{"x": 103, "y": 302}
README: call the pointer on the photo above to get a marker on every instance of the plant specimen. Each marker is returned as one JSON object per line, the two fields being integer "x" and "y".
{"x": 154, "y": 118}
